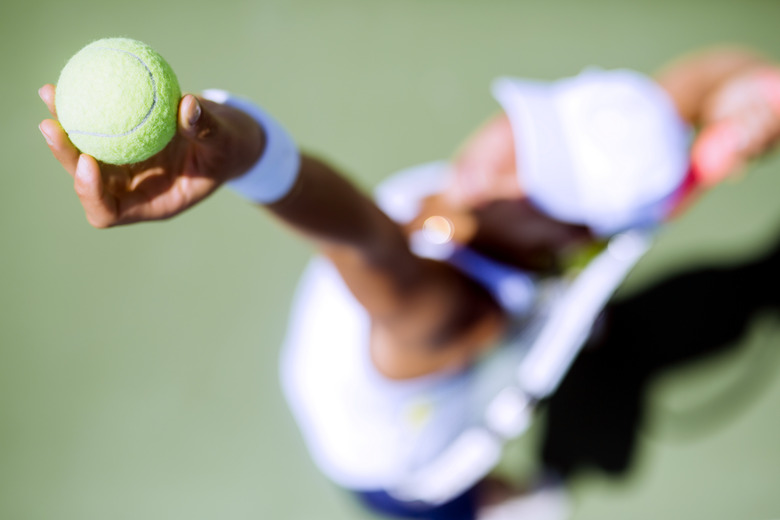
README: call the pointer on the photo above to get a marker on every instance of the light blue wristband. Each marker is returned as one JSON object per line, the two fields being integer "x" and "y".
{"x": 274, "y": 174}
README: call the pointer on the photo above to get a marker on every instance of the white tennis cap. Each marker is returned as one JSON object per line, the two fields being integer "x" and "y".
{"x": 605, "y": 149}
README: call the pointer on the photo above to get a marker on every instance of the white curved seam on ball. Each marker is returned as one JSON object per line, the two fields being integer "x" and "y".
{"x": 148, "y": 114}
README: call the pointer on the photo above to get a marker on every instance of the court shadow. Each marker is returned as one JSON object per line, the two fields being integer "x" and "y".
{"x": 594, "y": 418}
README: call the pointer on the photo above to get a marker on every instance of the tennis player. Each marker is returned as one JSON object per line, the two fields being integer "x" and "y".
{"x": 421, "y": 302}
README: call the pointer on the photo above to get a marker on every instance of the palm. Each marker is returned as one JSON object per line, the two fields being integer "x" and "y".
{"x": 159, "y": 187}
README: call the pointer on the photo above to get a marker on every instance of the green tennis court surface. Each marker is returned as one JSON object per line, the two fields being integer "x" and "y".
{"x": 138, "y": 365}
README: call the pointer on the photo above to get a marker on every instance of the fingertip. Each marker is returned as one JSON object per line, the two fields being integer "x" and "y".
{"x": 81, "y": 167}
{"x": 43, "y": 92}
{"x": 87, "y": 174}
{"x": 59, "y": 144}
{"x": 54, "y": 134}
{"x": 48, "y": 128}
{"x": 43, "y": 126}
{"x": 47, "y": 95}
{"x": 99, "y": 205}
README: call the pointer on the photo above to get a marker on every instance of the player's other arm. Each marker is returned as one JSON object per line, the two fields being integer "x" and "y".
{"x": 732, "y": 96}
{"x": 693, "y": 78}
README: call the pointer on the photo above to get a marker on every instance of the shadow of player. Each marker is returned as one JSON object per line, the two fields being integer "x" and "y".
{"x": 594, "y": 417}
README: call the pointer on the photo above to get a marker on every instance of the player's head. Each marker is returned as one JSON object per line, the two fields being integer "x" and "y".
{"x": 605, "y": 149}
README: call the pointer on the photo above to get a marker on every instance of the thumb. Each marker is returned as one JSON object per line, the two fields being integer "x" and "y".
{"x": 195, "y": 120}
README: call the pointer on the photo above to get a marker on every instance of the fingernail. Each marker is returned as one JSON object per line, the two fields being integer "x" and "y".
{"x": 40, "y": 92}
{"x": 81, "y": 169}
{"x": 45, "y": 135}
{"x": 196, "y": 113}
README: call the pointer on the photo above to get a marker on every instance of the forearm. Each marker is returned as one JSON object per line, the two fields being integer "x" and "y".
{"x": 305, "y": 193}
{"x": 367, "y": 247}
{"x": 326, "y": 207}
{"x": 427, "y": 313}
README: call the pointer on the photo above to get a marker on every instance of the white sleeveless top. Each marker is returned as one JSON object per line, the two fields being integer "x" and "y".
{"x": 365, "y": 431}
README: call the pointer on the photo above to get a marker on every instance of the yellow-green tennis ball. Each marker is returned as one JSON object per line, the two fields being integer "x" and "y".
{"x": 117, "y": 99}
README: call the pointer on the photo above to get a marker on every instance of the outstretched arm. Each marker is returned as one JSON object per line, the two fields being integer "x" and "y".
{"x": 425, "y": 315}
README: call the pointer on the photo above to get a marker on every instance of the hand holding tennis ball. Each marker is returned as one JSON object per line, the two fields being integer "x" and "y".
{"x": 119, "y": 102}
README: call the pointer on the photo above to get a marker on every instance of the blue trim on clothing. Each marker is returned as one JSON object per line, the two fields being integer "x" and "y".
{"x": 463, "y": 507}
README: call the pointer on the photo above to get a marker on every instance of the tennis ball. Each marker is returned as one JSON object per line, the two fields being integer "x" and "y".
{"x": 117, "y": 99}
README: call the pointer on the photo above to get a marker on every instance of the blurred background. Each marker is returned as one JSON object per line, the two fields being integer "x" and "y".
{"x": 138, "y": 366}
